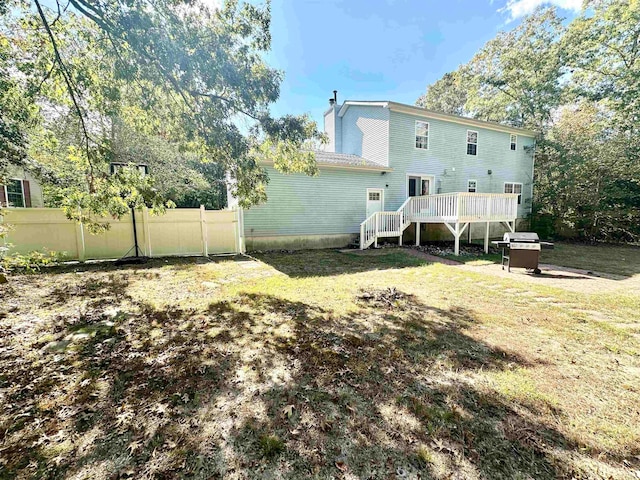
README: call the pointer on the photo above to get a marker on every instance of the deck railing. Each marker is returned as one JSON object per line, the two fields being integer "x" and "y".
{"x": 464, "y": 207}
{"x": 459, "y": 207}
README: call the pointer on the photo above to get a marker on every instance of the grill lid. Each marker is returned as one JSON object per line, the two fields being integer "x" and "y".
{"x": 521, "y": 237}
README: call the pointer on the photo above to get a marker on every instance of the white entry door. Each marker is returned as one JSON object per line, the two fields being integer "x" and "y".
{"x": 375, "y": 201}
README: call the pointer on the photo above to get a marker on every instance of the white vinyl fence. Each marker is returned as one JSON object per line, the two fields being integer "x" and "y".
{"x": 180, "y": 231}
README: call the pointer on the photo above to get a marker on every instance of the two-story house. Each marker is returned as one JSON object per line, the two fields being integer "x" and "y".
{"x": 395, "y": 170}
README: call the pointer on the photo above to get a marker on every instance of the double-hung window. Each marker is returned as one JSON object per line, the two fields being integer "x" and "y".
{"x": 513, "y": 140}
{"x": 472, "y": 142}
{"x": 14, "y": 193}
{"x": 472, "y": 186}
{"x": 422, "y": 134}
{"x": 512, "y": 187}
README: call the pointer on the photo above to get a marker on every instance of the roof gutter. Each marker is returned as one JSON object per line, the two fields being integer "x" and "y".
{"x": 336, "y": 166}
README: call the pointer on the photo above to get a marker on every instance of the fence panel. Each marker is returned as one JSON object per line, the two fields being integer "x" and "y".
{"x": 39, "y": 229}
{"x": 177, "y": 232}
{"x": 184, "y": 231}
{"x": 222, "y": 231}
{"x": 115, "y": 242}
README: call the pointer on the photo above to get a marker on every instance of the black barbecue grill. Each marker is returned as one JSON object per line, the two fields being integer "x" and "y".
{"x": 521, "y": 249}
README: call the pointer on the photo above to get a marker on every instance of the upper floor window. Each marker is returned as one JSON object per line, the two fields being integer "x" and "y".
{"x": 472, "y": 186}
{"x": 472, "y": 142}
{"x": 422, "y": 134}
{"x": 512, "y": 187}
{"x": 13, "y": 193}
{"x": 514, "y": 142}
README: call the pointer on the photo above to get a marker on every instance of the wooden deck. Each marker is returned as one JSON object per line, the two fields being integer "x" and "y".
{"x": 455, "y": 210}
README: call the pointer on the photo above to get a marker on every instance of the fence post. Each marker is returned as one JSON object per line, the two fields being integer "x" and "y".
{"x": 147, "y": 231}
{"x": 80, "y": 245}
{"x": 203, "y": 230}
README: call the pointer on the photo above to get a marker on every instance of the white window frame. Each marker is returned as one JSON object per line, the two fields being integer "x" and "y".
{"x": 513, "y": 142}
{"x": 416, "y": 135}
{"x": 423, "y": 176}
{"x": 476, "y": 144}
{"x": 376, "y": 190}
{"x": 513, "y": 184}
{"x": 475, "y": 188}
{"x": 6, "y": 194}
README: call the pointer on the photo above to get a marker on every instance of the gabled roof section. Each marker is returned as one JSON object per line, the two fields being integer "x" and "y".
{"x": 331, "y": 159}
{"x": 423, "y": 112}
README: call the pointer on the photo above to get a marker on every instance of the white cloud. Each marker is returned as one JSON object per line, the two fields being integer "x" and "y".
{"x": 520, "y": 8}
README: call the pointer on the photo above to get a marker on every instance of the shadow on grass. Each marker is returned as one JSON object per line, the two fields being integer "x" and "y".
{"x": 321, "y": 263}
{"x": 258, "y": 386}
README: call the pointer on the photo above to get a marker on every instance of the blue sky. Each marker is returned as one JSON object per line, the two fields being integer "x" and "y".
{"x": 380, "y": 49}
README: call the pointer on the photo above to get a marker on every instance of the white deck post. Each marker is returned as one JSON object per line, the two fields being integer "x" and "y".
{"x": 375, "y": 238}
{"x": 417, "y": 234}
{"x": 486, "y": 238}
{"x": 362, "y": 236}
{"x": 456, "y": 250}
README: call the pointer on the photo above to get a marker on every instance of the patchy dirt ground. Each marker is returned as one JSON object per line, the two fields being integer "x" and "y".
{"x": 315, "y": 365}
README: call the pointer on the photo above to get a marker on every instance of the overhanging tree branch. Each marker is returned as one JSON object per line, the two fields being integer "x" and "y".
{"x": 70, "y": 88}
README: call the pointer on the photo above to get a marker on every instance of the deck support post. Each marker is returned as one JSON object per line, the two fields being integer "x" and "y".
{"x": 486, "y": 238}
{"x": 457, "y": 233}
{"x": 417, "y": 234}
{"x": 456, "y": 250}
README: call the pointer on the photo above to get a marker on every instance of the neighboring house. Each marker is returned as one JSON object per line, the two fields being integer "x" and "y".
{"x": 20, "y": 190}
{"x": 394, "y": 170}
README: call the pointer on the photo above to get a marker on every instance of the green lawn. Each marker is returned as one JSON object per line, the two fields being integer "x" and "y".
{"x": 606, "y": 258}
{"x": 614, "y": 259}
{"x": 315, "y": 365}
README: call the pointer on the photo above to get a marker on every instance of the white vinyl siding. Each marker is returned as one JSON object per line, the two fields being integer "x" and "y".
{"x": 513, "y": 187}
{"x": 472, "y": 142}
{"x": 422, "y": 135}
{"x": 365, "y": 132}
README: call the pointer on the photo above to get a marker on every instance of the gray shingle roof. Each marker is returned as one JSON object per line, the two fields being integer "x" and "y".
{"x": 330, "y": 158}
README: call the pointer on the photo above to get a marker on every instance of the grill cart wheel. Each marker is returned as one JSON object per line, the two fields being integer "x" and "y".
{"x": 537, "y": 271}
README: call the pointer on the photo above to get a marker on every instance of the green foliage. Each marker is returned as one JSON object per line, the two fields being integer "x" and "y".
{"x": 271, "y": 446}
{"x": 447, "y": 95}
{"x": 174, "y": 86}
{"x": 578, "y": 86}
{"x": 29, "y": 263}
